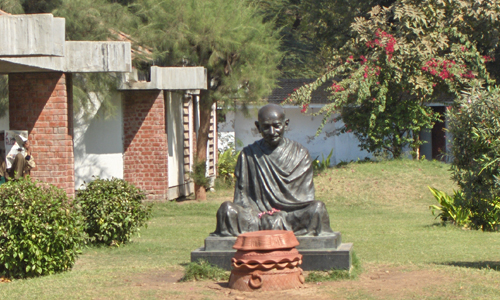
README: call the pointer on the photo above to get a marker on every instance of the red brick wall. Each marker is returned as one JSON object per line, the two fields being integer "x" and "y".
{"x": 39, "y": 103}
{"x": 145, "y": 159}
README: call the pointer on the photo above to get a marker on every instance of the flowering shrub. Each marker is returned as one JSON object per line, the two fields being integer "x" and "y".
{"x": 400, "y": 59}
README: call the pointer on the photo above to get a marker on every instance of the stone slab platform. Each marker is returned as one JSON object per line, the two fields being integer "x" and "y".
{"x": 312, "y": 259}
{"x": 215, "y": 243}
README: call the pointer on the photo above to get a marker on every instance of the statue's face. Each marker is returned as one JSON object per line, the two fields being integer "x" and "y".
{"x": 272, "y": 126}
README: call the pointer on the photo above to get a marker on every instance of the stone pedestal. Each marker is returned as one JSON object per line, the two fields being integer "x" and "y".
{"x": 318, "y": 252}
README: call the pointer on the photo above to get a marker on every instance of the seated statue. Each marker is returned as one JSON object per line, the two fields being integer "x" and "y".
{"x": 274, "y": 185}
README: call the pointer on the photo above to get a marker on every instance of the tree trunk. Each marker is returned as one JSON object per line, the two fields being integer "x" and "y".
{"x": 202, "y": 139}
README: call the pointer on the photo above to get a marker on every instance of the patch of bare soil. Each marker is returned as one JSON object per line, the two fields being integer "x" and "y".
{"x": 377, "y": 282}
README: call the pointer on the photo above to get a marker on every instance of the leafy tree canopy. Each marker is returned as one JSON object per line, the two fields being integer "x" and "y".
{"x": 311, "y": 29}
{"x": 400, "y": 58}
{"x": 227, "y": 37}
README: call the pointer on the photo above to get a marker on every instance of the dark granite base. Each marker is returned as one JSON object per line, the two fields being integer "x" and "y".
{"x": 312, "y": 259}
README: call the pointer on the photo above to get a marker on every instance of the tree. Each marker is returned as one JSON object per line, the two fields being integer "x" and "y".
{"x": 311, "y": 29}
{"x": 227, "y": 37}
{"x": 402, "y": 57}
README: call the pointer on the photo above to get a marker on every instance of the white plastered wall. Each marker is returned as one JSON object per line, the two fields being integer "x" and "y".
{"x": 98, "y": 144}
{"x": 302, "y": 128}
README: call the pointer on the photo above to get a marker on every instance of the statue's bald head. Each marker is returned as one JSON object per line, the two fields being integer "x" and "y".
{"x": 271, "y": 111}
{"x": 272, "y": 124}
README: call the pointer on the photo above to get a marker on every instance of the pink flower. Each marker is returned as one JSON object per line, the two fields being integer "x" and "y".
{"x": 304, "y": 108}
{"x": 363, "y": 59}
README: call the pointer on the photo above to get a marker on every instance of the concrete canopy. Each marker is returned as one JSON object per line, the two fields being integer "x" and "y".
{"x": 79, "y": 57}
{"x": 168, "y": 78}
{"x": 31, "y": 35}
{"x": 35, "y": 43}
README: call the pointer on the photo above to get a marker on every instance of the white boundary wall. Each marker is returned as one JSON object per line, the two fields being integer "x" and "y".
{"x": 302, "y": 128}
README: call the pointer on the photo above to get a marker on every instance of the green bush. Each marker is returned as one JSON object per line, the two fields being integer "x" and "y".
{"x": 474, "y": 124}
{"x": 226, "y": 163}
{"x": 112, "y": 210}
{"x": 40, "y": 231}
{"x": 199, "y": 174}
{"x": 451, "y": 209}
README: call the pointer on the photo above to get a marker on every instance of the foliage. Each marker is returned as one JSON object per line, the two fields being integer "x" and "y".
{"x": 324, "y": 163}
{"x": 226, "y": 164}
{"x": 311, "y": 29}
{"x": 203, "y": 270}
{"x": 474, "y": 124}
{"x": 401, "y": 58}
{"x": 226, "y": 37}
{"x": 334, "y": 275}
{"x": 40, "y": 230}
{"x": 450, "y": 208}
{"x": 29, "y": 6}
{"x": 112, "y": 210}
{"x": 199, "y": 174}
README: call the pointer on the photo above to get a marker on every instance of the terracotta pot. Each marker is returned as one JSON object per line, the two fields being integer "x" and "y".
{"x": 266, "y": 240}
{"x": 270, "y": 280}
{"x": 265, "y": 260}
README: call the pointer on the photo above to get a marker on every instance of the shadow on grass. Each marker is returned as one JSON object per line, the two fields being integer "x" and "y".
{"x": 480, "y": 265}
{"x": 436, "y": 224}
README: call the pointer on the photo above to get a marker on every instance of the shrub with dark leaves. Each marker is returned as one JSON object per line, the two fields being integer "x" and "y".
{"x": 113, "y": 210}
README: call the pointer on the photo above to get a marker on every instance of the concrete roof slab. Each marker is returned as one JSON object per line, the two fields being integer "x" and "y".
{"x": 80, "y": 57}
{"x": 94, "y": 57}
{"x": 31, "y": 35}
{"x": 168, "y": 78}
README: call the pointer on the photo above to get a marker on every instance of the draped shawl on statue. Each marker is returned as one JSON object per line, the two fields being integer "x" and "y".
{"x": 280, "y": 178}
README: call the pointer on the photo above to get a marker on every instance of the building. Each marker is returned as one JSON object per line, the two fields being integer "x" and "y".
{"x": 149, "y": 143}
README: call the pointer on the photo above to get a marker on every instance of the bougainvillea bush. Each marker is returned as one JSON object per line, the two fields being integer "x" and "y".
{"x": 112, "y": 209}
{"x": 402, "y": 57}
{"x": 474, "y": 125}
{"x": 40, "y": 230}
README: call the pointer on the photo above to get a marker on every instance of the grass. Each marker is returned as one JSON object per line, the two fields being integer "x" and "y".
{"x": 381, "y": 207}
{"x": 203, "y": 270}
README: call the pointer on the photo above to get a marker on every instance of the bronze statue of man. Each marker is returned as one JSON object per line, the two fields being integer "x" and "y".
{"x": 274, "y": 187}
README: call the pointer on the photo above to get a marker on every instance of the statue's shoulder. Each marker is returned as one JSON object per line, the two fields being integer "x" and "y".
{"x": 298, "y": 148}
{"x": 295, "y": 144}
{"x": 252, "y": 148}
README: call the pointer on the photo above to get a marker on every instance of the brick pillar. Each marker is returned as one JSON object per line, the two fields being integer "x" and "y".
{"x": 39, "y": 103}
{"x": 145, "y": 158}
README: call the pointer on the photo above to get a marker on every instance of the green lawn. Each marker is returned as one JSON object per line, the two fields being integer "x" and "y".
{"x": 381, "y": 207}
